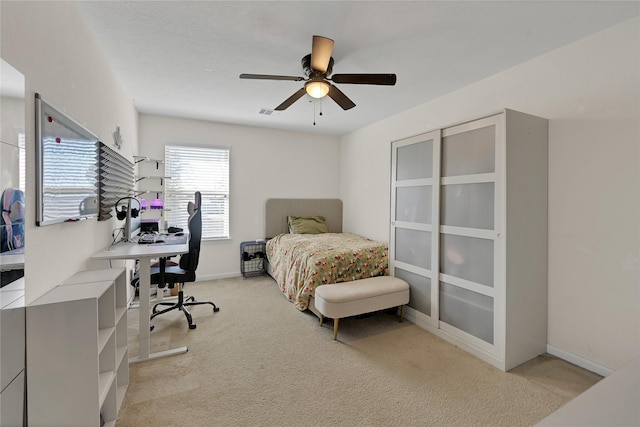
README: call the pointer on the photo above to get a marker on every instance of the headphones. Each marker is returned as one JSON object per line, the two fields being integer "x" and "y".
{"x": 121, "y": 211}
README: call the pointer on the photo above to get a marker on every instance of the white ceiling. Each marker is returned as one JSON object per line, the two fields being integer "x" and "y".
{"x": 183, "y": 58}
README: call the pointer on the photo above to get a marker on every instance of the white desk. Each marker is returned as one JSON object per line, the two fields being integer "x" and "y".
{"x": 144, "y": 254}
{"x": 611, "y": 402}
{"x": 12, "y": 260}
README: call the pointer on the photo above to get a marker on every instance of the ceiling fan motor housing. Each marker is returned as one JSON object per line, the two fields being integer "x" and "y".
{"x": 310, "y": 72}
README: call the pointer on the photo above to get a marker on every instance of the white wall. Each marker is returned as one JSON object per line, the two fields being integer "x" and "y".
{"x": 264, "y": 164}
{"x": 590, "y": 92}
{"x": 50, "y": 44}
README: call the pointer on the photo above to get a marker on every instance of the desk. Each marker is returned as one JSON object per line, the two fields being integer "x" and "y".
{"x": 144, "y": 254}
{"x": 12, "y": 260}
{"x": 11, "y": 266}
{"x": 611, "y": 402}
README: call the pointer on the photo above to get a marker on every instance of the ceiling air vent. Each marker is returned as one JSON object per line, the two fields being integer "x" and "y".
{"x": 268, "y": 112}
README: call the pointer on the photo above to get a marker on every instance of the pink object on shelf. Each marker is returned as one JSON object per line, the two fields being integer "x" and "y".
{"x": 157, "y": 204}
{"x": 143, "y": 204}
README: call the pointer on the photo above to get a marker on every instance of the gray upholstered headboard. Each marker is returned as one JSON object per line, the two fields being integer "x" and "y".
{"x": 277, "y": 210}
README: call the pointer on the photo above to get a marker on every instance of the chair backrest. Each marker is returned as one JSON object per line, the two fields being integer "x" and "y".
{"x": 12, "y": 220}
{"x": 189, "y": 261}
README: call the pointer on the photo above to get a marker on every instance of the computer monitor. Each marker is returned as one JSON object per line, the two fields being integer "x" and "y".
{"x": 132, "y": 224}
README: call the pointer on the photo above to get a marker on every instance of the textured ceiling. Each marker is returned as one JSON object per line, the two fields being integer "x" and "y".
{"x": 183, "y": 58}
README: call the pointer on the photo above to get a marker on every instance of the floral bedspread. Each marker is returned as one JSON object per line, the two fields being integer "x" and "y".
{"x": 301, "y": 262}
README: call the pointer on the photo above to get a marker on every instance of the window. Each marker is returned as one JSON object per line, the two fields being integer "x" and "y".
{"x": 198, "y": 169}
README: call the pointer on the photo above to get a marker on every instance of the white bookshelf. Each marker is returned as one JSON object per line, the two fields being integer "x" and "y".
{"x": 77, "y": 351}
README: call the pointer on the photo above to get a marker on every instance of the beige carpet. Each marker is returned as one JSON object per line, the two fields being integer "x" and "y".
{"x": 260, "y": 362}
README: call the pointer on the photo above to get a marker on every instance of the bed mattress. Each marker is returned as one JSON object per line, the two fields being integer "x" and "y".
{"x": 301, "y": 262}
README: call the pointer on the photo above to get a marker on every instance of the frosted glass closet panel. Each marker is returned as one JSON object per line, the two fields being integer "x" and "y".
{"x": 412, "y": 212}
{"x": 467, "y": 212}
{"x": 467, "y": 310}
{"x": 413, "y": 204}
{"x": 414, "y": 161}
{"x": 467, "y": 258}
{"x": 413, "y": 247}
{"x": 420, "y": 290}
{"x": 468, "y": 205}
{"x": 469, "y": 153}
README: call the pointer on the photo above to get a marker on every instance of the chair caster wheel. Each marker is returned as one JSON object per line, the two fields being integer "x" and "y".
{"x": 192, "y": 326}
{"x": 216, "y": 309}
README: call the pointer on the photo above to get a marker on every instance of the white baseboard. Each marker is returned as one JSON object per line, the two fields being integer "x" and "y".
{"x": 579, "y": 361}
{"x": 415, "y": 317}
{"x": 217, "y": 276}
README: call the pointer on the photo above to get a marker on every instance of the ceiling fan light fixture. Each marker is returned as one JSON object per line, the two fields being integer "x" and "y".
{"x": 317, "y": 88}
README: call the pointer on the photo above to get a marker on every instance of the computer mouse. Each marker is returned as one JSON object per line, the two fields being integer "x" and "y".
{"x": 159, "y": 241}
{"x": 179, "y": 234}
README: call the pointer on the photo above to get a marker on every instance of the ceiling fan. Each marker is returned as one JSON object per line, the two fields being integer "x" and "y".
{"x": 318, "y": 66}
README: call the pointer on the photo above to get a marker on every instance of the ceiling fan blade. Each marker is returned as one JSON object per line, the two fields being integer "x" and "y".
{"x": 340, "y": 98}
{"x": 290, "y": 100}
{"x": 270, "y": 77}
{"x": 365, "y": 79}
{"x": 321, "y": 53}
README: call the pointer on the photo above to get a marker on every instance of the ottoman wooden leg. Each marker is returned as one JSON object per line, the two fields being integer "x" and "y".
{"x": 335, "y": 328}
{"x": 321, "y": 319}
{"x": 401, "y": 313}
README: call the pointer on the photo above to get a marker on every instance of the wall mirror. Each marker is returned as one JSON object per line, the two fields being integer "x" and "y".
{"x": 12, "y": 173}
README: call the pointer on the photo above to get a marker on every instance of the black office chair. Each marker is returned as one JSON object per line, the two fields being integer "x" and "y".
{"x": 185, "y": 271}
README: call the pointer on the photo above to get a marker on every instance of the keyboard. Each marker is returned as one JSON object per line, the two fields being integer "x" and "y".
{"x": 148, "y": 238}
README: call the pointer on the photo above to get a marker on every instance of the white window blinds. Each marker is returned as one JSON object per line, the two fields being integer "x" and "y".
{"x": 198, "y": 169}
{"x": 115, "y": 180}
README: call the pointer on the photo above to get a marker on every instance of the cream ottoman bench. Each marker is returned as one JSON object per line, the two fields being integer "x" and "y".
{"x": 360, "y": 296}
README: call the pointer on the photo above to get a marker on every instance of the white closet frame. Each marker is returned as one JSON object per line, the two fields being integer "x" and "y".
{"x": 519, "y": 236}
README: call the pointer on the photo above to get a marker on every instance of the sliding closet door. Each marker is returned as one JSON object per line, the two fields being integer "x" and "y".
{"x": 414, "y": 211}
{"x": 471, "y": 231}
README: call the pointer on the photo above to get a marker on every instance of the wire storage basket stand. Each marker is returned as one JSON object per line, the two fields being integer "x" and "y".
{"x": 252, "y": 256}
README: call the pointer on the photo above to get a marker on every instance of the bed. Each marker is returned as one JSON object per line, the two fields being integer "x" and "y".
{"x": 299, "y": 262}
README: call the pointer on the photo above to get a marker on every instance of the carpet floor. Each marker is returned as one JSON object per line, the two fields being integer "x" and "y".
{"x": 260, "y": 362}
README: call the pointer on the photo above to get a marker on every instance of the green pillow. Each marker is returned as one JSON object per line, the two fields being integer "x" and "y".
{"x": 309, "y": 224}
